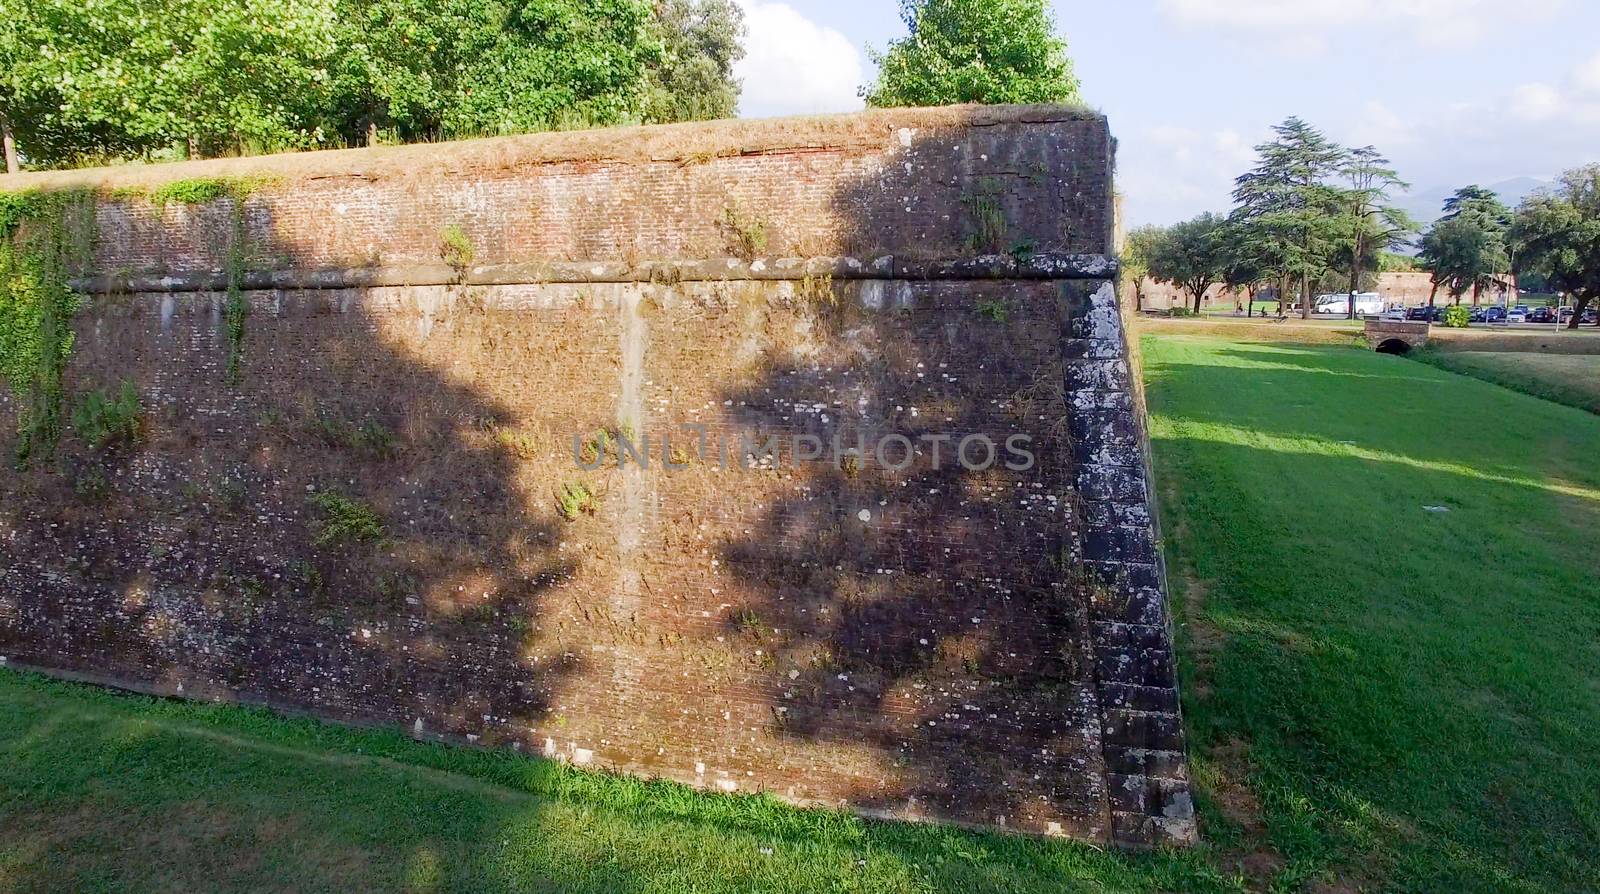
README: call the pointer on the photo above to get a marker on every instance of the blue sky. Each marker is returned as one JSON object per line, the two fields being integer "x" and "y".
{"x": 1455, "y": 91}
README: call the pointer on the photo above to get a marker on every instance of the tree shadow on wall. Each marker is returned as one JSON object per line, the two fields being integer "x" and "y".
{"x": 930, "y": 623}
{"x": 348, "y": 526}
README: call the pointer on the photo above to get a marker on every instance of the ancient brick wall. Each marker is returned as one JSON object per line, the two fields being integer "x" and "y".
{"x": 412, "y": 503}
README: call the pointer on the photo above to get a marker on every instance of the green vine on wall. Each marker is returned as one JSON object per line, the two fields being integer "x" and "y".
{"x": 198, "y": 191}
{"x": 44, "y": 238}
{"x": 237, "y": 309}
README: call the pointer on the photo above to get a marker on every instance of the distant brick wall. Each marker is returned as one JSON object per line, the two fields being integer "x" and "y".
{"x": 988, "y": 646}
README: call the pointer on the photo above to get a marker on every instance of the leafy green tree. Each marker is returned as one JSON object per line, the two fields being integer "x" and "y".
{"x": 1191, "y": 255}
{"x": 1477, "y": 203}
{"x": 1288, "y": 211}
{"x": 990, "y": 51}
{"x": 1458, "y": 252}
{"x": 1394, "y": 262}
{"x": 63, "y": 74}
{"x": 1557, "y": 234}
{"x": 87, "y": 78}
{"x": 1371, "y": 223}
{"x": 693, "y": 80}
{"x": 472, "y": 67}
{"x": 1242, "y": 269}
{"x": 1135, "y": 259}
{"x": 1484, "y": 208}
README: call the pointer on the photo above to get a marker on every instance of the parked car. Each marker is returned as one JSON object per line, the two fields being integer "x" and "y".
{"x": 1425, "y": 313}
{"x": 1397, "y": 312}
{"x": 1518, "y": 314}
{"x": 1541, "y": 315}
{"x": 1591, "y": 316}
{"x": 1494, "y": 314}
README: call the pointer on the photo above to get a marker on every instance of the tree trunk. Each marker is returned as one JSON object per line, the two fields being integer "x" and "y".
{"x": 1477, "y": 288}
{"x": 1355, "y": 275}
{"x": 1305, "y": 296}
{"x": 194, "y": 146}
{"x": 1433, "y": 294}
{"x": 372, "y": 133}
{"x": 1579, "y": 305}
{"x": 10, "y": 140}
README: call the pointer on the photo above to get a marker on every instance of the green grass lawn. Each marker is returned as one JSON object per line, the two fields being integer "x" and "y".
{"x": 1406, "y": 698}
{"x": 108, "y": 792}
{"x": 1569, "y": 379}
{"x": 1379, "y": 695}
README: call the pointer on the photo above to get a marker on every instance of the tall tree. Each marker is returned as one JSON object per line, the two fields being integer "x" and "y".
{"x": 1557, "y": 234}
{"x": 88, "y": 78}
{"x": 1241, "y": 263}
{"x": 693, "y": 80}
{"x": 1459, "y": 253}
{"x": 1191, "y": 255}
{"x": 453, "y": 68}
{"x": 1288, "y": 207}
{"x": 1136, "y": 253}
{"x": 1373, "y": 223}
{"x": 1483, "y": 207}
{"x": 992, "y": 51}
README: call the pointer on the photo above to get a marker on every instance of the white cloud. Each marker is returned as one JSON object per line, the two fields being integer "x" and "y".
{"x": 1384, "y": 127}
{"x": 1585, "y": 77}
{"x": 1534, "y": 103}
{"x": 793, "y": 66}
{"x": 1168, "y": 173}
{"x": 1306, "y": 23}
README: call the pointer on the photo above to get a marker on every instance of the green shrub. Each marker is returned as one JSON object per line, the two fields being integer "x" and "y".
{"x": 575, "y": 499}
{"x": 747, "y": 235}
{"x": 103, "y": 421}
{"x": 1457, "y": 317}
{"x": 994, "y": 310}
{"x": 455, "y": 247}
{"x": 345, "y": 521}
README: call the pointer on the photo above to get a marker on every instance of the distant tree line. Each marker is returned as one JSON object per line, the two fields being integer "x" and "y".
{"x": 85, "y": 81}
{"x": 1312, "y": 216}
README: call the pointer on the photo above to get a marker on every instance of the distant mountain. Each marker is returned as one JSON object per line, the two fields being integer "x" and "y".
{"x": 1426, "y": 205}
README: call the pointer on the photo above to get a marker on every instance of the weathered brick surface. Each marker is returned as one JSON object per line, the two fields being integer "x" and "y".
{"x": 925, "y": 642}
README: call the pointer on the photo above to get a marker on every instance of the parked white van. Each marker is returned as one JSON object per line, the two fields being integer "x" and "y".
{"x": 1366, "y": 303}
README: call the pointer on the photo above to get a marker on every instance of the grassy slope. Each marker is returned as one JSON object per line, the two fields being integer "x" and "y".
{"x": 1412, "y": 697}
{"x": 1419, "y": 713}
{"x": 1573, "y": 380}
{"x": 106, "y": 792}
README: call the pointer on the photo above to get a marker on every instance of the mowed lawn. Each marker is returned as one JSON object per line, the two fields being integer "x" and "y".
{"x": 1388, "y": 580}
{"x": 1381, "y": 697}
{"x": 1571, "y": 379}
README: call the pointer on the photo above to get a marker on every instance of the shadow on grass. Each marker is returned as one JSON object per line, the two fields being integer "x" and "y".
{"x": 128, "y": 793}
{"x": 1384, "y": 617}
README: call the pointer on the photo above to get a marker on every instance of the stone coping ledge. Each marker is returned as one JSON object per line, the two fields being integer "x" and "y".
{"x": 983, "y": 267}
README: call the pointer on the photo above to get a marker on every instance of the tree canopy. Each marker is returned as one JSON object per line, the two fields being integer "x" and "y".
{"x": 1290, "y": 215}
{"x": 694, "y": 79}
{"x": 990, "y": 51}
{"x": 1191, "y": 255}
{"x": 106, "y": 79}
{"x": 1557, "y": 234}
{"x": 1459, "y": 252}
